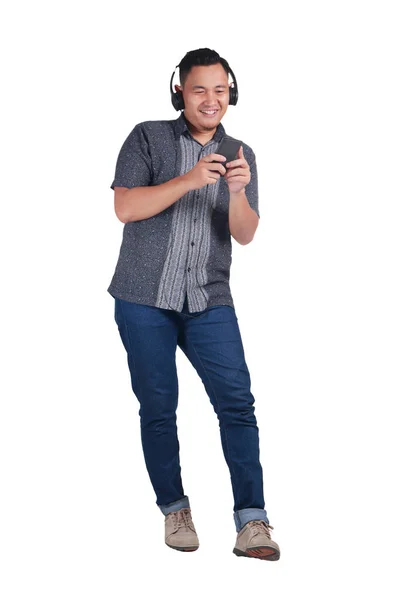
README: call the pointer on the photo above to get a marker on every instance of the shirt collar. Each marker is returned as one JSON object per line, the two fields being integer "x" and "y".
{"x": 180, "y": 126}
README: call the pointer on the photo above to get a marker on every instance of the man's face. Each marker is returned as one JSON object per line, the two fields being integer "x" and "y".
{"x": 206, "y": 87}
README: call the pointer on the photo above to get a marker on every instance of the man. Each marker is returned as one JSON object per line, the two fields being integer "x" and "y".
{"x": 171, "y": 288}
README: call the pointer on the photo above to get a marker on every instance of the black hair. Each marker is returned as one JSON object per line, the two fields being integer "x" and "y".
{"x": 202, "y": 57}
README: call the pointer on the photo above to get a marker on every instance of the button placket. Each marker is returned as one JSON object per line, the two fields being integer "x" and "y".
{"x": 192, "y": 233}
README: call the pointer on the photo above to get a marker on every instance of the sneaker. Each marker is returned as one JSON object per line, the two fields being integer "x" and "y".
{"x": 254, "y": 540}
{"x": 180, "y": 533}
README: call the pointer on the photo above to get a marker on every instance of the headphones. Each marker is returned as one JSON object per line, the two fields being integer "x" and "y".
{"x": 177, "y": 97}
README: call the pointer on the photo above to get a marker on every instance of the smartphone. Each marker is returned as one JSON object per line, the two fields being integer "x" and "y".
{"x": 228, "y": 147}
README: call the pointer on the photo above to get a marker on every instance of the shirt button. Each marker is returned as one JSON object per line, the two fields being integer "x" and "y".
{"x": 189, "y": 270}
{"x": 194, "y": 220}
{"x": 192, "y": 243}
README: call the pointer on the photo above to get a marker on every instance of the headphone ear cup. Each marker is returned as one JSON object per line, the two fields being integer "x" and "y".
{"x": 177, "y": 100}
{"x": 181, "y": 102}
{"x": 176, "y": 97}
{"x": 233, "y": 96}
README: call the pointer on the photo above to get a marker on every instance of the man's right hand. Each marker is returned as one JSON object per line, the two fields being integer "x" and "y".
{"x": 205, "y": 171}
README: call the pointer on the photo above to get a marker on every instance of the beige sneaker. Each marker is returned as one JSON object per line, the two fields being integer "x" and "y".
{"x": 254, "y": 540}
{"x": 180, "y": 533}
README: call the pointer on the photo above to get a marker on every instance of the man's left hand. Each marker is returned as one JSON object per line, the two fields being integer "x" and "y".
{"x": 237, "y": 174}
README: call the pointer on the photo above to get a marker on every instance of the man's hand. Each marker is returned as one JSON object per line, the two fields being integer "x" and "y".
{"x": 238, "y": 173}
{"x": 205, "y": 171}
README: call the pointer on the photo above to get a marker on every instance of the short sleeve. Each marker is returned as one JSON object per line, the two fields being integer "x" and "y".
{"x": 251, "y": 188}
{"x": 134, "y": 166}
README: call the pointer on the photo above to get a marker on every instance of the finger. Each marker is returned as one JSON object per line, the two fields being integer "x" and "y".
{"x": 240, "y": 169}
{"x": 213, "y": 156}
{"x": 217, "y": 176}
{"x": 236, "y": 163}
{"x": 235, "y": 177}
{"x": 218, "y": 167}
{"x": 240, "y": 152}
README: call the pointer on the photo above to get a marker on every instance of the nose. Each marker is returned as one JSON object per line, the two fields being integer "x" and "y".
{"x": 211, "y": 98}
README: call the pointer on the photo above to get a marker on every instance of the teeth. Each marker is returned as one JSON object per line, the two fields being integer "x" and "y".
{"x": 209, "y": 112}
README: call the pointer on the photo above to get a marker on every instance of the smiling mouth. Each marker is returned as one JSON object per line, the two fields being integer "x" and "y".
{"x": 209, "y": 113}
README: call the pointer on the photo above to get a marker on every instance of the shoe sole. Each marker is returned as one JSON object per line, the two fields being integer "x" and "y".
{"x": 183, "y": 548}
{"x": 262, "y": 552}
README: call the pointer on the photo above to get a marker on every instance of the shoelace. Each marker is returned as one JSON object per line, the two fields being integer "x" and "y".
{"x": 260, "y": 527}
{"x": 182, "y": 518}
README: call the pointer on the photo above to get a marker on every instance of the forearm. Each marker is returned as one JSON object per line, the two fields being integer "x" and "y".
{"x": 243, "y": 220}
{"x": 142, "y": 202}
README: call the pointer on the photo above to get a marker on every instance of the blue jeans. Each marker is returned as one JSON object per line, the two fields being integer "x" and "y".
{"x": 212, "y": 342}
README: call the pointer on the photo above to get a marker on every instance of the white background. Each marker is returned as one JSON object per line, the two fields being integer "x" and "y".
{"x": 316, "y": 294}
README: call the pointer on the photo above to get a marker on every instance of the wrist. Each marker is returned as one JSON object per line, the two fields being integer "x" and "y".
{"x": 184, "y": 179}
{"x": 238, "y": 194}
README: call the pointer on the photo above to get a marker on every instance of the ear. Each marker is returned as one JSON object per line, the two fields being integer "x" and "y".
{"x": 178, "y": 88}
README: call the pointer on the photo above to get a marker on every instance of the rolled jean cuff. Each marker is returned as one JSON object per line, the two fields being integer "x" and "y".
{"x": 173, "y": 506}
{"x": 241, "y": 517}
